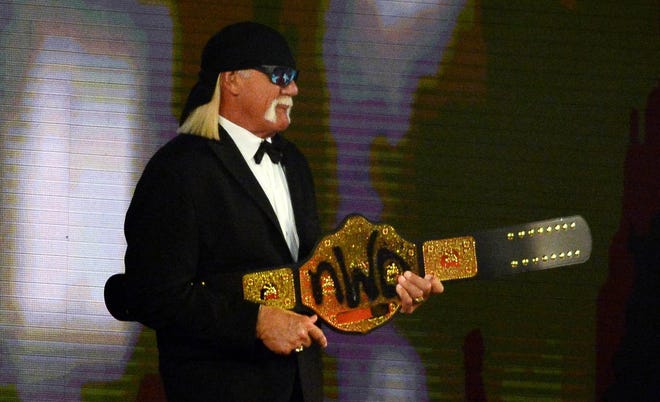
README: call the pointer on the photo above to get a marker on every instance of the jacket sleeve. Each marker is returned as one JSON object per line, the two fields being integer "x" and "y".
{"x": 164, "y": 290}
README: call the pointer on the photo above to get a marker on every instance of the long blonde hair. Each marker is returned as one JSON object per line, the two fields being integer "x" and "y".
{"x": 203, "y": 120}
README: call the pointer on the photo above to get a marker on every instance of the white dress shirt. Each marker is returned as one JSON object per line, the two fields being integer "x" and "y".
{"x": 272, "y": 179}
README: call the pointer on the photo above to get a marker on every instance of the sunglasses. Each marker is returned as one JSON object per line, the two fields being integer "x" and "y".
{"x": 279, "y": 75}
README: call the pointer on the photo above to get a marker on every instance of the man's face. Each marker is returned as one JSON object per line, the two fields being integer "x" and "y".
{"x": 266, "y": 106}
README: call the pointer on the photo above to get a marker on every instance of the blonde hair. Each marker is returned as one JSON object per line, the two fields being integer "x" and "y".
{"x": 203, "y": 120}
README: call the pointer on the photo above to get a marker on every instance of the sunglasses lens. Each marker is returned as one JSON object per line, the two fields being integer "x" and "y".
{"x": 283, "y": 76}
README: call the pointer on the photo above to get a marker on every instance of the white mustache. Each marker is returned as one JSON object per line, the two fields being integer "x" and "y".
{"x": 283, "y": 101}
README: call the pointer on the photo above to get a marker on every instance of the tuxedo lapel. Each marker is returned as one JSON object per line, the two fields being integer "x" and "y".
{"x": 230, "y": 157}
{"x": 290, "y": 171}
{"x": 294, "y": 182}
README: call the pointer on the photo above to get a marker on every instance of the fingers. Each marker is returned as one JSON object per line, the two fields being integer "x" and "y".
{"x": 414, "y": 290}
{"x": 316, "y": 334}
{"x": 309, "y": 333}
{"x": 284, "y": 331}
{"x": 436, "y": 285}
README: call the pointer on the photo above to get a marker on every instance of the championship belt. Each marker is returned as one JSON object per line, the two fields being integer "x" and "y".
{"x": 350, "y": 279}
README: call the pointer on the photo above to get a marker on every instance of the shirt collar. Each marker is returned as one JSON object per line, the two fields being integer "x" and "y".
{"x": 246, "y": 142}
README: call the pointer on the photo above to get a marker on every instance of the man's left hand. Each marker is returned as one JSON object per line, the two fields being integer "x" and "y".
{"x": 414, "y": 290}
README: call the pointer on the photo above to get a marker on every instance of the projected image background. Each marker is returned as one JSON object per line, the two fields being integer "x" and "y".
{"x": 437, "y": 117}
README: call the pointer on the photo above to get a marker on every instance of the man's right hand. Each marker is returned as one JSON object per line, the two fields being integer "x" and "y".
{"x": 283, "y": 331}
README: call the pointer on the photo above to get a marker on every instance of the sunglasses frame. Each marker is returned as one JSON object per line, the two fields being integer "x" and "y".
{"x": 279, "y": 75}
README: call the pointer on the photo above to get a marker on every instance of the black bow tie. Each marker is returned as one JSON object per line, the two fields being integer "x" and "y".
{"x": 273, "y": 152}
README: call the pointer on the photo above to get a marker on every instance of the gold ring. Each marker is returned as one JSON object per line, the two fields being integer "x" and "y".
{"x": 418, "y": 300}
{"x": 299, "y": 349}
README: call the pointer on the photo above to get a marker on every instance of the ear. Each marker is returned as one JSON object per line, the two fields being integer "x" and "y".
{"x": 230, "y": 82}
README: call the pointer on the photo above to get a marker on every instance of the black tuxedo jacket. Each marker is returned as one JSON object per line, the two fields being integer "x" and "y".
{"x": 198, "y": 220}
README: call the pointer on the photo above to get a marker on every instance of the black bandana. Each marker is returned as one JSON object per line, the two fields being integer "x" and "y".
{"x": 238, "y": 46}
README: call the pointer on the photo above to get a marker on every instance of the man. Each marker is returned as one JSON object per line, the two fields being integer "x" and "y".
{"x": 213, "y": 204}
